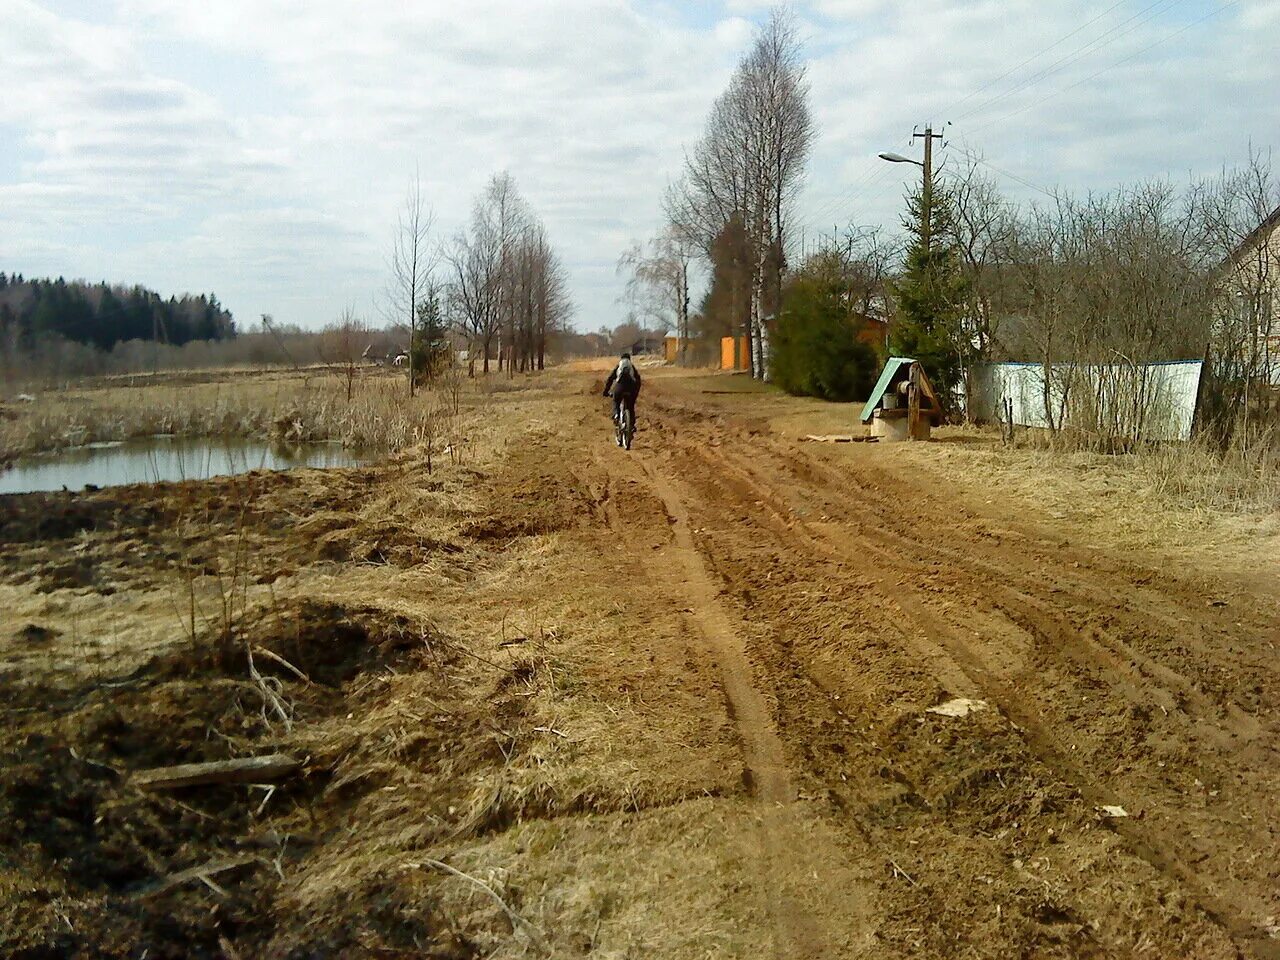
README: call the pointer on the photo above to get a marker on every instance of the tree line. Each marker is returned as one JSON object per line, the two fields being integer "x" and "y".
{"x": 34, "y": 311}
{"x": 1143, "y": 273}
{"x": 497, "y": 284}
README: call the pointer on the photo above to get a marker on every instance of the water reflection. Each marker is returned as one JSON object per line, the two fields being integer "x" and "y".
{"x": 153, "y": 459}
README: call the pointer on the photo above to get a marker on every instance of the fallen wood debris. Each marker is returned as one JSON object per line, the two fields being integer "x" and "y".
{"x": 899, "y": 872}
{"x": 243, "y": 770}
{"x": 517, "y": 922}
{"x": 838, "y": 438}
{"x": 203, "y": 873}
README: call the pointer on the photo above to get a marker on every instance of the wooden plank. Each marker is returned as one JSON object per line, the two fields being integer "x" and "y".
{"x": 243, "y": 770}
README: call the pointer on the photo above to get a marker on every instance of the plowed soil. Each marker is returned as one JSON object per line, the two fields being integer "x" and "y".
{"x": 672, "y": 702}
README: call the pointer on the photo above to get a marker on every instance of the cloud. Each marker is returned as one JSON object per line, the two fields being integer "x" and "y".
{"x": 261, "y": 148}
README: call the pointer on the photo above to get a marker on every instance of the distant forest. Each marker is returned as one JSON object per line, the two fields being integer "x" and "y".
{"x": 101, "y": 315}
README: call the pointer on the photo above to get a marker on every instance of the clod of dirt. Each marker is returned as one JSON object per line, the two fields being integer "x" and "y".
{"x": 34, "y": 634}
{"x": 331, "y": 643}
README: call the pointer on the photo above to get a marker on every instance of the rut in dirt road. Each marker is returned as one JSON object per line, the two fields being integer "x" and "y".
{"x": 800, "y": 933}
{"x": 791, "y": 876}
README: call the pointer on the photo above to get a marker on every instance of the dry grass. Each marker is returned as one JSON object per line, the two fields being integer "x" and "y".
{"x": 1181, "y": 501}
{"x": 520, "y": 731}
{"x": 280, "y": 407}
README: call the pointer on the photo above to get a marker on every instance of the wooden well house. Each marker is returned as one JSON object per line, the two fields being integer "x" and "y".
{"x": 903, "y": 405}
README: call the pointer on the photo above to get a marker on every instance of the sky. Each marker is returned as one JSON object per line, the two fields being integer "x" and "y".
{"x": 261, "y": 149}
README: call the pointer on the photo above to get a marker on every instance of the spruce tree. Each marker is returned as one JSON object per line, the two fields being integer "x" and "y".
{"x": 931, "y": 294}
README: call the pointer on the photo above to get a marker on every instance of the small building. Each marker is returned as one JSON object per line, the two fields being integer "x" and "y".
{"x": 734, "y": 353}
{"x": 673, "y": 346}
{"x": 903, "y": 405}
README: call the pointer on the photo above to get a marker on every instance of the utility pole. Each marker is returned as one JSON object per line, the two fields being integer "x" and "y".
{"x": 927, "y": 194}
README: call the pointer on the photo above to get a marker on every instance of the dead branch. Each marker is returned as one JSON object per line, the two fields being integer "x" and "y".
{"x": 263, "y": 651}
{"x": 242, "y": 770}
{"x": 517, "y": 922}
{"x": 203, "y": 873}
{"x": 270, "y": 695}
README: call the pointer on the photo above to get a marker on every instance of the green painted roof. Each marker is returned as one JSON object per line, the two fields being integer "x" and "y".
{"x": 890, "y": 368}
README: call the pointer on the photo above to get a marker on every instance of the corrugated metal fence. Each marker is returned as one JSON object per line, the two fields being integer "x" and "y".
{"x": 1155, "y": 401}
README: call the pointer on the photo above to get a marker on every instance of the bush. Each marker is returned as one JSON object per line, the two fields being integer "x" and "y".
{"x": 816, "y": 351}
{"x": 431, "y": 357}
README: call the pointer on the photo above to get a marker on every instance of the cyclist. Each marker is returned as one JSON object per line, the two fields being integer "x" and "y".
{"x": 624, "y": 385}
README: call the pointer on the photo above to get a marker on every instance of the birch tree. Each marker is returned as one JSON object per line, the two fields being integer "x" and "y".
{"x": 411, "y": 264}
{"x": 507, "y": 284}
{"x": 749, "y": 166}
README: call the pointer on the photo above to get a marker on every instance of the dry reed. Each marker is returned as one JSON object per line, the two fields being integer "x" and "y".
{"x": 284, "y": 409}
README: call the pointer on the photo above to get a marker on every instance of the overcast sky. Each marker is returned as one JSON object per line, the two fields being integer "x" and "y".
{"x": 259, "y": 149}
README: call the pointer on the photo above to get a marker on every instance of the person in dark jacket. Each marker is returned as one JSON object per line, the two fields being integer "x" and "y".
{"x": 624, "y": 385}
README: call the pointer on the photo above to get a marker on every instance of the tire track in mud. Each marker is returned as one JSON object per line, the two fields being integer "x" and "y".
{"x": 885, "y": 553}
{"x": 1029, "y": 606}
{"x": 798, "y": 932}
{"x": 801, "y": 934}
{"x": 1044, "y": 582}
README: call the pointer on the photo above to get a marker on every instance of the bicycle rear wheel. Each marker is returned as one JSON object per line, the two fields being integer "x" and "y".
{"x": 628, "y": 428}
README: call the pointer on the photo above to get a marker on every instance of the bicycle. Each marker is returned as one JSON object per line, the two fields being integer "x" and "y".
{"x": 624, "y": 427}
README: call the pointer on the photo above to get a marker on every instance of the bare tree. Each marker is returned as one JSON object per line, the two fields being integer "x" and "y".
{"x": 482, "y": 259}
{"x": 983, "y": 223}
{"x": 748, "y": 167}
{"x": 1106, "y": 286}
{"x": 412, "y": 262}
{"x": 551, "y": 305}
{"x": 658, "y": 282}
{"x": 342, "y": 346}
{"x": 1242, "y": 216}
{"x": 473, "y": 292}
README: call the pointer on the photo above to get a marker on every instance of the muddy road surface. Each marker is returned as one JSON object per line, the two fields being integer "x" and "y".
{"x": 726, "y": 694}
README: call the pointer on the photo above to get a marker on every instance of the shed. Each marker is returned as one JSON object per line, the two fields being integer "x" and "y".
{"x": 647, "y": 346}
{"x": 903, "y": 404}
{"x": 734, "y": 354}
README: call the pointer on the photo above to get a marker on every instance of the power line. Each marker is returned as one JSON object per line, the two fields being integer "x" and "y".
{"x": 1093, "y": 46}
{"x": 1035, "y": 56}
{"x": 1110, "y": 67}
{"x": 976, "y": 158}
{"x": 875, "y": 172}
{"x": 864, "y": 183}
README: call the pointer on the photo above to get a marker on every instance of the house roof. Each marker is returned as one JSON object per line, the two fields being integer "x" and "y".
{"x": 1269, "y": 223}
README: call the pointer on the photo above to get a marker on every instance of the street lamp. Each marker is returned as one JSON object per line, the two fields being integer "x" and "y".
{"x": 926, "y": 197}
{"x": 899, "y": 158}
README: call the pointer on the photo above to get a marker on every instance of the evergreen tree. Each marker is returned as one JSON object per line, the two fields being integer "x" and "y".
{"x": 817, "y": 349}
{"x": 930, "y": 295}
{"x": 102, "y": 316}
{"x": 431, "y": 350}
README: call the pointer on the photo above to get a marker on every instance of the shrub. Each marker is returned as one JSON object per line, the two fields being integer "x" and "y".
{"x": 816, "y": 351}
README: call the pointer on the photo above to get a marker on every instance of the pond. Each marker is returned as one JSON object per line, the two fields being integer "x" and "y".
{"x": 152, "y": 459}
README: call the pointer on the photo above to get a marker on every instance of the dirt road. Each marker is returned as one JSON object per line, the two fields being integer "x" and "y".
{"x": 841, "y": 601}
{"x": 690, "y": 712}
